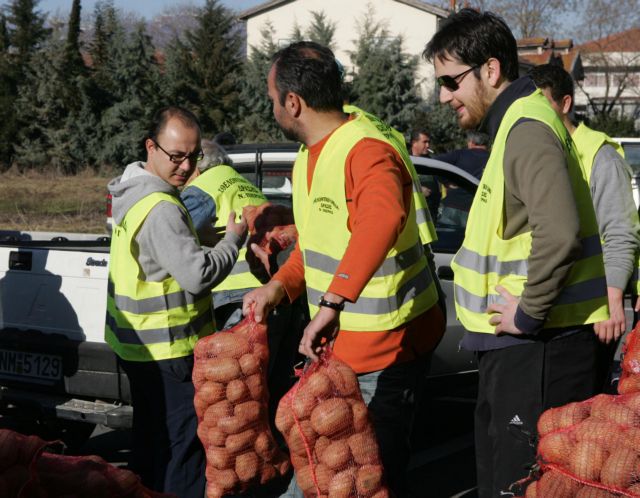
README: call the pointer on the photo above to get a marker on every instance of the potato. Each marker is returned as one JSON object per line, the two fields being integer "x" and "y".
{"x": 216, "y": 437}
{"x": 265, "y": 446}
{"x": 343, "y": 378}
{"x": 284, "y": 417}
{"x": 202, "y": 432}
{"x": 249, "y": 364}
{"x": 629, "y": 384}
{"x": 556, "y": 485}
{"x": 621, "y": 468}
{"x": 124, "y": 482}
{"x": 249, "y": 410}
{"x": 562, "y": 417}
{"x": 237, "y": 391}
{"x": 556, "y": 447}
{"x": 220, "y": 410}
{"x": 532, "y": 490}
{"x": 211, "y": 392}
{"x": 235, "y": 443}
{"x": 368, "y": 479}
{"x": 342, "y": 484}
{"x": 214, "y": 490}
{"x": 224, "y": 479}
{"x": 256, "y": 387}
{"x": 607, "y": 409}
{"x": 323, "y": 477}
{"x": 220, "y": 458}
{"x": 8, "y": 455}
{"x": 261, "y": 351}
{"x": 233, "y": 425}
{"x": 303, "y": 403}
{"x": 319, "y": 385}
{"x": 331, "y": 416}
{"x": 364, "y": 448}
{"x": 360, "y": 415}
{"x": 301, "y": 437}
{"x": 321, "y": 444}
{"x": 304, "y": 478}
{"x": 247, "y": 466}
{"x": 336, "y": 455}
{"x": 383, "y": 493}
{"x": 587, "y": 459}
{"x": 267, "y": 473}
{"x": 632, "y": 401}
{"x": 222, "y": 369}
{"x": 603, "y": 432}
{"x": 590, "y": 492}
{"x": 227, "y": 344}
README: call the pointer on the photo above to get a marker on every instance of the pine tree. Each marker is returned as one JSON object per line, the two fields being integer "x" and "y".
{"x": 258, "y": 124}
{"x": 27, "y": 29}
{"x": 8, "y": 92}
{"x": 73, "y": 58}
{"x": 384, "y": 80}
{"x": 321, "y": 30}
{"x": 207, "y": 78}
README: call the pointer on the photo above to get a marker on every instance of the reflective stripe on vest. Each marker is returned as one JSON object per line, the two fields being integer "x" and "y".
{"x": 148, "y": 321}
{"x": 426, "y": 227}
{"x": 230, "y": 191}
{"x": 402, "y": 287}
{"x": 486, "y": 260}
{"x": 588, "y": 143}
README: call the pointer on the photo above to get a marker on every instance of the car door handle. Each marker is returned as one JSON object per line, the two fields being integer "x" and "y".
{"x": 445, "y": 273}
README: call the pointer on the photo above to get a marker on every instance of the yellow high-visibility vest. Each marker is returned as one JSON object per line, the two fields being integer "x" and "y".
{"x": 423, "y": 217}
{"x": 486, "y": 259}
{"x": 588, "y": 142}
{"x": 150, "y": 321}
{"x": 402, "y": 287}
{"x": 231, "y": 191}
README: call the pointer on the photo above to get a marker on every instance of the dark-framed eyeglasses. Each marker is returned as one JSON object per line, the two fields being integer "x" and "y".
{"x": 451, "y": 82}
{"x": 179, "y": 158}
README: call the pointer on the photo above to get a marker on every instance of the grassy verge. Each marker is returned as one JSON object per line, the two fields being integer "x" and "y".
{"x": 34, "y": 201}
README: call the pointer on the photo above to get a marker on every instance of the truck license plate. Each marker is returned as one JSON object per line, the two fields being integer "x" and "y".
{"x": 16, "y": 364}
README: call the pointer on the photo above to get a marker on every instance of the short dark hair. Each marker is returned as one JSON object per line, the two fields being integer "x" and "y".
{"x": 162, "y": 116}
{"x": 473, "y": 38}
{"x": 478, "y": 138}
{"x": 415, "y": 134}
{"x": 309, "y": 70}
{"x": 555, "y": 78}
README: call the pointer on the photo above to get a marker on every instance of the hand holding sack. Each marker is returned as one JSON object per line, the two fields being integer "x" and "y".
{"x": 590, "y": 449}
{"x": 231, "y": 402}
{"x": 331, "y": 441}
{"x": 272, "y": 229}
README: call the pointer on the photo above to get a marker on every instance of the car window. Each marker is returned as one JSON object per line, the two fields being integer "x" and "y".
{"x": 632, "y": 155}
{"x": 449, "y": 203}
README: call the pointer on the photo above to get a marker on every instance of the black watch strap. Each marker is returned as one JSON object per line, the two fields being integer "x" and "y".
{"x": 328, "y": 304}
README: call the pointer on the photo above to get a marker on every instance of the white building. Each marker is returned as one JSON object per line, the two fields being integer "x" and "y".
{"x": 612, "y": 74}
{"x": 414, "y": 20}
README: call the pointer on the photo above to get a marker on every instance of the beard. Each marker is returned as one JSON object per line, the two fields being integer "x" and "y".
{"x": 476, "y": 109}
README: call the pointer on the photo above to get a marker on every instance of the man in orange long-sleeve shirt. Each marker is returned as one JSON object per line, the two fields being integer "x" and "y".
{"x": 359, "y": 254}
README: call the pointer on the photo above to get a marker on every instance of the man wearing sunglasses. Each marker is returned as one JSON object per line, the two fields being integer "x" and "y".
{"x": 159, "y": 302}
{"x": 529, "y": 276}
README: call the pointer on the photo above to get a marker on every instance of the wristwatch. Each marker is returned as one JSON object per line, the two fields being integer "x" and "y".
{"x": 329, "y": 304}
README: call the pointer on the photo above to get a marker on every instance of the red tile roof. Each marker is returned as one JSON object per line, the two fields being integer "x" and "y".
{"x": 625, "y": 41}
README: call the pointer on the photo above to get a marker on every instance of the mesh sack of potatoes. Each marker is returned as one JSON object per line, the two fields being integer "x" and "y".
{"x": 630, "y": 379}
{"x": 590, "y": 449}
{"x": 231, "y": 402}
{"x": 331, "y": 441}
{"x": 63, "y": 476}
{"x": 17, "y": 456}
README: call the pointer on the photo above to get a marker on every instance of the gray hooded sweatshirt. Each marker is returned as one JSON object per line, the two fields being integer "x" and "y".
{"x": 166, "y": 244}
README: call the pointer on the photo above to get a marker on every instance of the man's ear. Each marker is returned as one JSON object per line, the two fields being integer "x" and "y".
{"x": 567, "y": 102}
{"x": 293, "y": 104}
{"x": 149, "y": 146}
{"x": 494, "y": 72}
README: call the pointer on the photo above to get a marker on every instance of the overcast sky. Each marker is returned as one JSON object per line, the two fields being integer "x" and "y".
{"x": 146, "y": 8}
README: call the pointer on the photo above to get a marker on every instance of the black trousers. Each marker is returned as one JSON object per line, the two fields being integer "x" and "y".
{"x": 516, "y": 384}
{"x": 166, "y": 451}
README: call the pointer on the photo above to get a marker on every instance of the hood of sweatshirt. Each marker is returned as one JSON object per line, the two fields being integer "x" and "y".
{"x": 134, "y": 184}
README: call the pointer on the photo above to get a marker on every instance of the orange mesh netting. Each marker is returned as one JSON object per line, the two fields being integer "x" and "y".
{"x": 231, "y": 402}
{"x": 28, "y": 471}
{"x": 331, "y": 441}
{"x": 630, "y": 379}
{"x": 590, "y": 449}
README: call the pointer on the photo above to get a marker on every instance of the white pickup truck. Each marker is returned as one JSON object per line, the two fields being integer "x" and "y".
{"x": 54, "y": 363}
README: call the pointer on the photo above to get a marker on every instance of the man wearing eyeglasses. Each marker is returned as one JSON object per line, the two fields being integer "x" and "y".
{"x": 529, "y": 276}
{"x": 159, "y": 302}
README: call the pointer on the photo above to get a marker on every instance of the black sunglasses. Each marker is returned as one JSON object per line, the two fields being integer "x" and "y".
{"x": 179, "y": 158}
{"x": 451, "y": 82}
